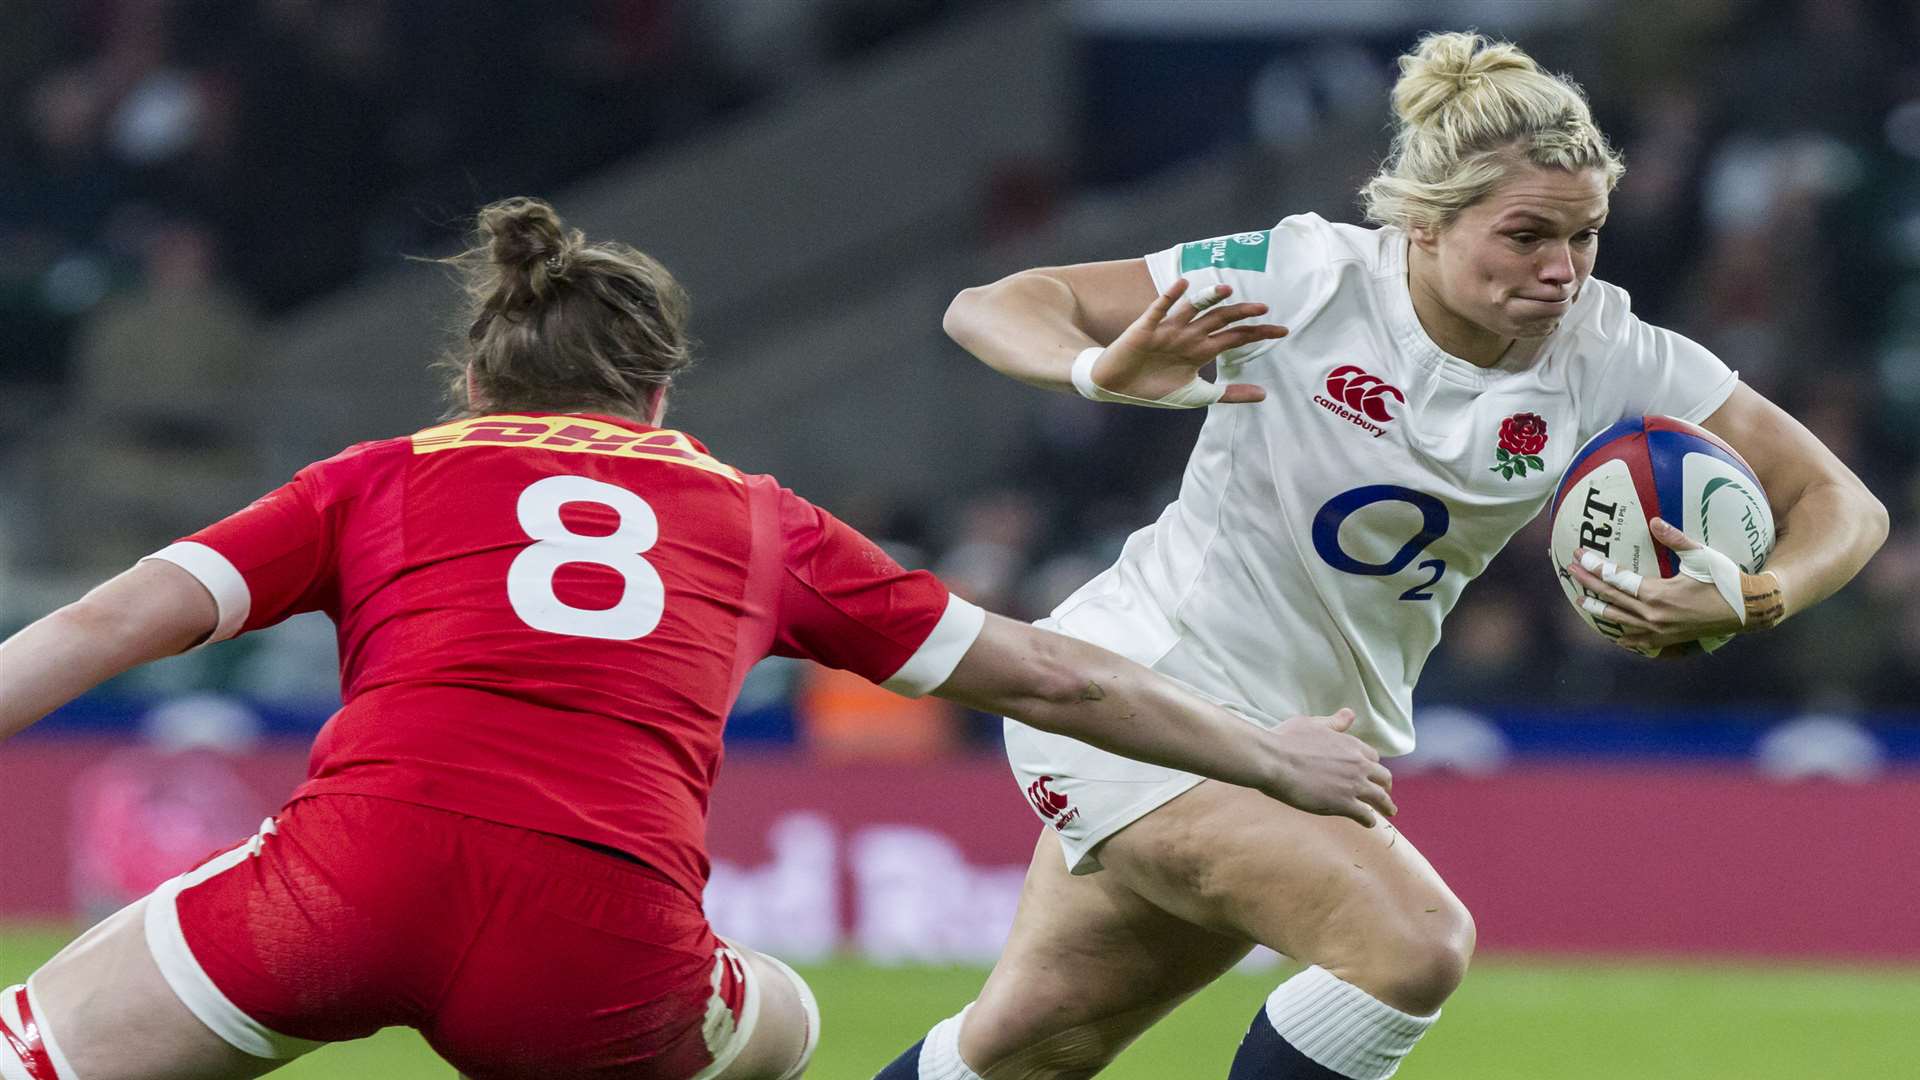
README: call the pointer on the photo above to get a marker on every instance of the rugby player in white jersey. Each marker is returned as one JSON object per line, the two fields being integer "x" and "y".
{"x": 1395, "y": 402}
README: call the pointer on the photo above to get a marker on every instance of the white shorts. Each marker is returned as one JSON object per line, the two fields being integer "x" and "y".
{"x": 1087, "y": 794}
{"x": 1083, "y": 792}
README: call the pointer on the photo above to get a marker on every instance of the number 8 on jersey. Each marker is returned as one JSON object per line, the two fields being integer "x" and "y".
{"x": 530, "y": 579}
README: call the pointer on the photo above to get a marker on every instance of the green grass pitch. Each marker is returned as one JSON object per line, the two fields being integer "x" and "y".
{"x": 1513, "y": 1020}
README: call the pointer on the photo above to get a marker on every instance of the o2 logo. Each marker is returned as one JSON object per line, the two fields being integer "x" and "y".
{"x": 1433, "y": 525}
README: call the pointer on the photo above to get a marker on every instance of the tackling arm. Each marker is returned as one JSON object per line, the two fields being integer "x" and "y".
{"x": 152, "y": 611}
{"x": 1829, "y": 524}
{"x": 1072, "y": 688}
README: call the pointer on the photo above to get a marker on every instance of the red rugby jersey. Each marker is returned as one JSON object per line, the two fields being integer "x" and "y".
{"x": 544, "y": 619}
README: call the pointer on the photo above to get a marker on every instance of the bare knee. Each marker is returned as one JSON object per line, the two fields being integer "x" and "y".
{"x": 1416, "y": 969}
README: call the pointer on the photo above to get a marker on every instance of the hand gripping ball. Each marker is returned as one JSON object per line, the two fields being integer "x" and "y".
{"x": 1656, "y": 466}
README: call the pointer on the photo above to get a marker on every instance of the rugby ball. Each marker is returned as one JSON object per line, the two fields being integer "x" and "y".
{"x": 1656, "y": 466}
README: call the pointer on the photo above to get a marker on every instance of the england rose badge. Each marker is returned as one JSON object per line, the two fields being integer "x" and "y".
{"x": 1522, "y": 437}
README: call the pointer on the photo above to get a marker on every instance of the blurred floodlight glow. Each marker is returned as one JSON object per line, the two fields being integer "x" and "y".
{"x": 1821, "y": 746}
{"x": 1456, "y": 739}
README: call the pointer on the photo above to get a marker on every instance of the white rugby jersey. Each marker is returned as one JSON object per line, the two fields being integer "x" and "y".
{"x": 1321, "y": 535}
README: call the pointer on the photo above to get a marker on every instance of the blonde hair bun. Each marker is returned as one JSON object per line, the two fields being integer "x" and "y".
{"x": 1444, "y": 67}
{"x": 1469, "y": 111}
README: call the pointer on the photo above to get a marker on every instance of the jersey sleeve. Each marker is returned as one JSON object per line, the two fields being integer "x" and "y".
{"x": 263, "y": 564}
{"x": 1285, "y": 267}
{"x": 1649, "y": 370}
{"x": 846, "y": 604}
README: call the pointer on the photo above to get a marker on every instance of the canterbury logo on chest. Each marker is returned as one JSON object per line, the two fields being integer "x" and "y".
{"x": 1360, "y": 398}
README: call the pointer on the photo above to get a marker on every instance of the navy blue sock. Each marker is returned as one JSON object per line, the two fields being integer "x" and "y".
{"x": 1264, "y": 1055}
{"x": 907, "y": 1065}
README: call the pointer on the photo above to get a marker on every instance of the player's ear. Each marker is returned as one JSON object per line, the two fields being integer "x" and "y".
{"x": 1426, "y": 237}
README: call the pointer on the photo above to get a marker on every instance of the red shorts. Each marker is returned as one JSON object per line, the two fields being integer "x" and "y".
{"x": 516, "y": 953}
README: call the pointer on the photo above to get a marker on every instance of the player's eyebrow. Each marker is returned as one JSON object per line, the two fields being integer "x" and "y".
{"x": 1515, "y": 217}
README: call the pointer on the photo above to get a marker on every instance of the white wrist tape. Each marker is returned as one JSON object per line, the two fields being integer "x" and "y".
{"x": 1197, "y": 394}
{"x": 1720, "y": 571}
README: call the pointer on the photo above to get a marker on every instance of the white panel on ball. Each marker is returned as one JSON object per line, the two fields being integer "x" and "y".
{"x": 1602, "y": 513}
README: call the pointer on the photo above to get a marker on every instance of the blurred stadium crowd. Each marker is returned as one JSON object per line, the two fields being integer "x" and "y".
{"x": 180, "y": 173}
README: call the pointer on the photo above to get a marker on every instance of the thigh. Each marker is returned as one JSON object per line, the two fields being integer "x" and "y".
{"x": 343, "y": 916}
{"x": 1321, "y": 890}
{"x": 590, "y": 966}
{"x": 114, "y": 1015}
{"x": 1087, "y": 967}
{"x": 250, "y": 959}
{"x": 760, "y": 1033}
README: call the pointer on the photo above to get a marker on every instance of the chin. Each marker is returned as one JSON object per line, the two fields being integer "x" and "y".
{"x": 1536, "y": 327}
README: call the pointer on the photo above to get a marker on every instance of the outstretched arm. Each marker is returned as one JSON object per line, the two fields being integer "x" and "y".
{"x": 149, "y": 612}
{"x": 1034, "y": 324}
{"x": 1072, "y": 688}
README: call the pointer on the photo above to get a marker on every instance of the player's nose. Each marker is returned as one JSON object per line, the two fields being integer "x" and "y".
{"x": 1556, "y": 265}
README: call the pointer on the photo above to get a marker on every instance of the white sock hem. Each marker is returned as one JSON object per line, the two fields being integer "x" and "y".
{"x": 1342, "y": 1027}
{"x": 940, "y": 1053}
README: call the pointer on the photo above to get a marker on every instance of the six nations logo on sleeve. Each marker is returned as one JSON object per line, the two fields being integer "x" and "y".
{"x": 1241, "y": 251}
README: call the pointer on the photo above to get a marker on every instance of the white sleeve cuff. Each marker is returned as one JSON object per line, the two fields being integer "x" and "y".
{"x": 1712, "y": 402}
{"x": 1163, "y": 267}
{"x": 232, "y": 600}
{"x": 937, "y": 656}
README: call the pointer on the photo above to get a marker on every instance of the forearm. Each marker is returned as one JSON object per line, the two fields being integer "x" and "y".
{"x": 1084, "y": 692}
{"x": 147, "y": 613}
{"x": 1023, "y": 326}
{"x": 1825, "y": 537}
{"x": 47, "y": 665}
{"x": 1123, "y": 708}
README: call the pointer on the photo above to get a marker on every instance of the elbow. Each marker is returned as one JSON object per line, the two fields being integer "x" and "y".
{"x": 93, "y": 620}
{"x": 1019, "y": 670}
{"x": 958, "y": 321}
{"x": 973, "y": 312}
{"x": 103, "y": 630}
{"x": 1056, "y": 679}
{"x": 151, "y": 611}
{"x": 1878, "y": 521}
{"x": 1866, "y": 512}
{"x": 1049, "y": 679}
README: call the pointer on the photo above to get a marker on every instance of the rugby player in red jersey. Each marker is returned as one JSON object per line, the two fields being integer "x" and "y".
{"x": 545, "y": 610}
